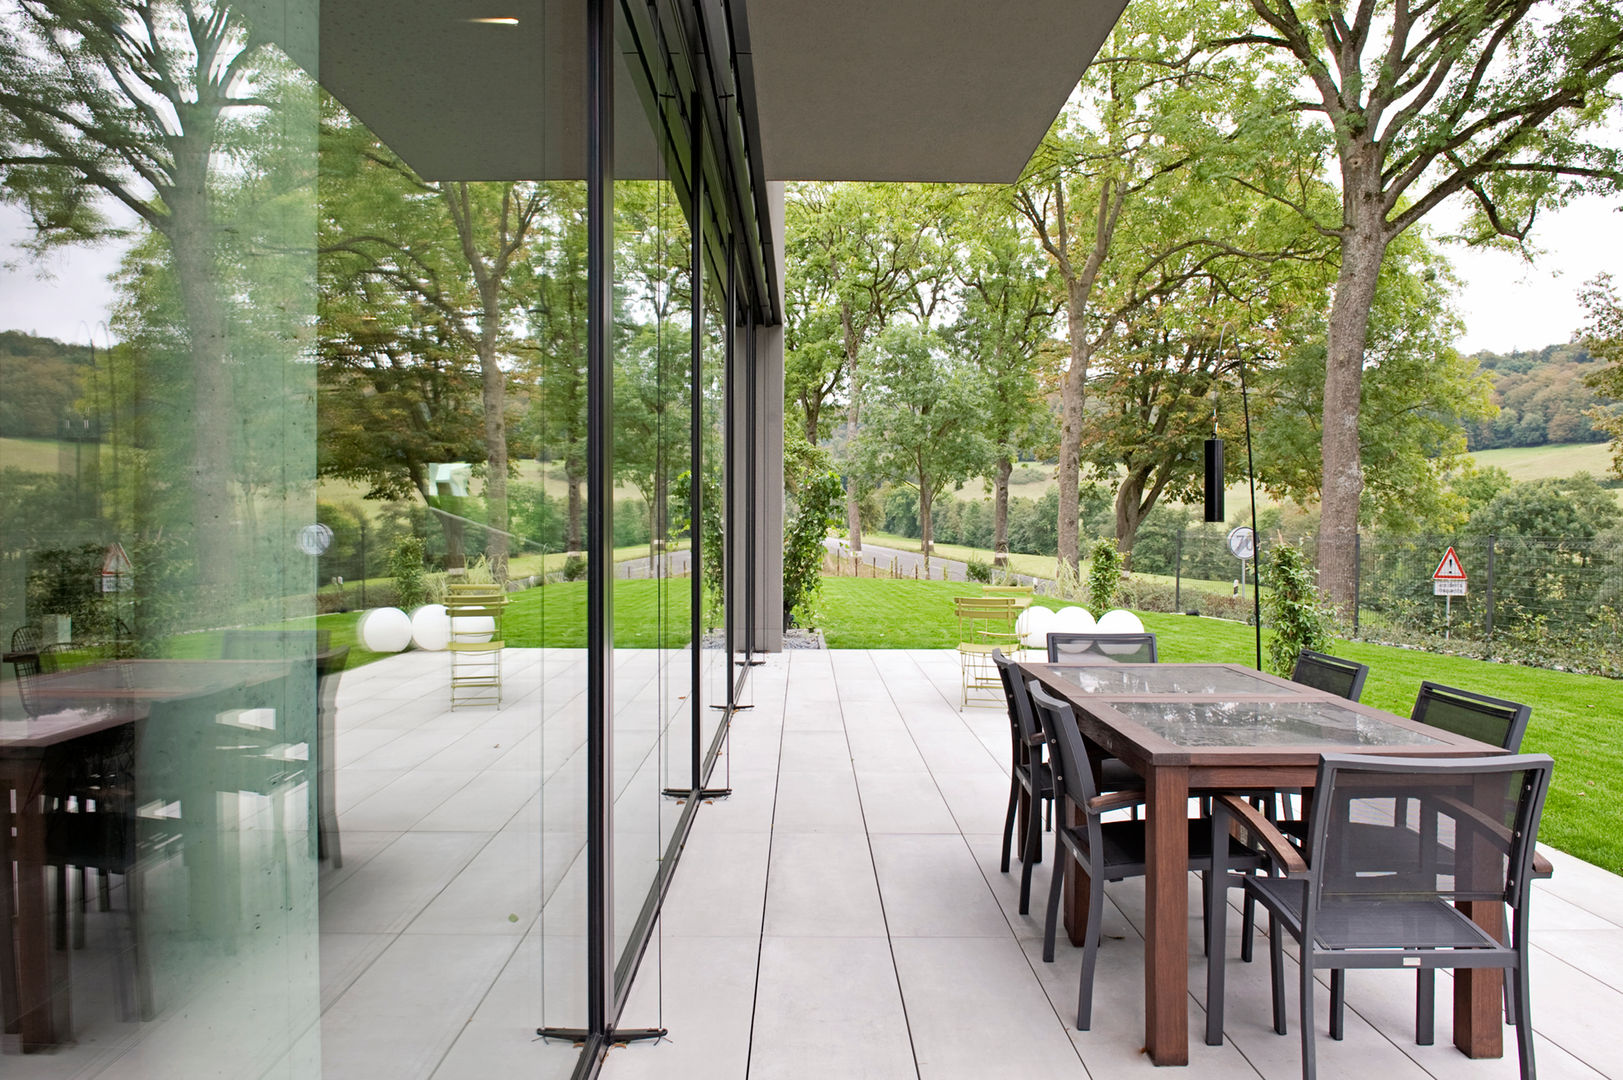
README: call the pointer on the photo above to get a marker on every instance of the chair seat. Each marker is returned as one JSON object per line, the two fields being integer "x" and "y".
{"x": 1387, "y": 925}
{"x": 1125, "y": 849}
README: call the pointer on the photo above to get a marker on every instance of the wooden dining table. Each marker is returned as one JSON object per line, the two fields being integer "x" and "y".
{"x": 71, "y": 706}
{"x": 1194, "y": 728}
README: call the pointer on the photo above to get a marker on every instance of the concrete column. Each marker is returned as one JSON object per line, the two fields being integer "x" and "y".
{"x": 765, "y": 516}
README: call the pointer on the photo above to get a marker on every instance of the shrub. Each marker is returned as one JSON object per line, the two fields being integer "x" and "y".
{"x": 1104, "y": 576}
{"x": 410, "y": 579}
{"x": 1299, "y": 616}
{"x": 574, "y": 568}
{"x": 815, "y": 498}
{"x": 976, "y": 570}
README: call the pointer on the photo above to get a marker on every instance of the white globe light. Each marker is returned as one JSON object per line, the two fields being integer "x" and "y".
{"x": 1120, "y": 621}
{"x": 430, "y": 627}
{"x": 1033, "y": 626}
{"x": 1072, "y": 620}
{"x": 384, "y": 629}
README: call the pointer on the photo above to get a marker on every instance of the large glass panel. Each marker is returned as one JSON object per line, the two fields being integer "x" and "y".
{"x": 159, "y": 750}
{"x": 651, "y": 366}
{"x": 716, "y": 548}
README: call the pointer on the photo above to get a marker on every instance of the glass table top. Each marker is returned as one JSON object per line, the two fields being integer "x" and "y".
{"x": 1162, "y": 679}
{"x": 1267, "y": 723}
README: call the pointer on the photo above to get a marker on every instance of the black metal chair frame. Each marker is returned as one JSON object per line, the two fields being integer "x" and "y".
{"x": 1344, "y": 678}
{"x": 1028, "y": 772}
{"x": 1094, "y": 644}
{"x": 1104, "y": 850}
{"x": 1335, "y": 934}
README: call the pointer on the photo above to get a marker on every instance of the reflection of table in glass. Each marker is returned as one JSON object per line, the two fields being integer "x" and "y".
{"x": 203, "y": 720}
{"x": 1191, "y": 727}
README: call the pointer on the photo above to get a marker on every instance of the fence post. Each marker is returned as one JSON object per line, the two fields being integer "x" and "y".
{"x": 1491, "y": 539}
{"x": 1177, "y": 574}
{"x": 1358, "y": 573}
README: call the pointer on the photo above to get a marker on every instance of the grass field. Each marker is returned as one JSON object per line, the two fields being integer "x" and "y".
{"x": 1539, "y": 462}
{"x": 31, "y": 455}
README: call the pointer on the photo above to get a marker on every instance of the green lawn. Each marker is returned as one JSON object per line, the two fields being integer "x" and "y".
{"x": 1538, "y": 462}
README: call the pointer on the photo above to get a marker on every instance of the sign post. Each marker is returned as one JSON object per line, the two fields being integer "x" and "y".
{"x": 1448, "y": 581}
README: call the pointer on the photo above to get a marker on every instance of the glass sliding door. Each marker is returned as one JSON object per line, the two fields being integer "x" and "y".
{"x": 159, "y": 751}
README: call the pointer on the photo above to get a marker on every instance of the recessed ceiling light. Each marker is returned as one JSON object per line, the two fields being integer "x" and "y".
{"x": 503, "y": 20}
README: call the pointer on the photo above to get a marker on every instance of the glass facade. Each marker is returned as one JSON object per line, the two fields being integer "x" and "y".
{"x": 371, "y": 580}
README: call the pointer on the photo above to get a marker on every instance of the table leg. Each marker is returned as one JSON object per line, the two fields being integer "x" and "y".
{"x": 1166, "y": 921}
{"x": 42, "y": 1009}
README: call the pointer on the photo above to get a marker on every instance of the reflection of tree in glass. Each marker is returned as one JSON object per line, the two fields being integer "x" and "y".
{"x": 177, "y": 110}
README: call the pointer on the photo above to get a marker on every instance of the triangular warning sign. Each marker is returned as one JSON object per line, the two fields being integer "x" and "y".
{"x": 1449, "y": 569}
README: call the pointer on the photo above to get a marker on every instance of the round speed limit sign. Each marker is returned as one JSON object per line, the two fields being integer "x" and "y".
{"x": 1243, "y": 542}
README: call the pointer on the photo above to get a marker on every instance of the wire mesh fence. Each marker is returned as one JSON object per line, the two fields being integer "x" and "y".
{"x": 1554, "y": 601}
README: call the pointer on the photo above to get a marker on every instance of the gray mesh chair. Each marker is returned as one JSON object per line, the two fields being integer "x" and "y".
{"x": 1028, "y": 773}
{"x": 1332, "y": 674}
{"x": 1347, "y": 906}
{"x": 1476, "y": 716}
{"x": 1071, "y": 646}
{"x": 1103, "y": 850}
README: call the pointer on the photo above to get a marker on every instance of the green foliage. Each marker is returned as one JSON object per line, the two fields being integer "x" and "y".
{"x": 1104, "y": 576}
{"x": 975, "y": 570}
{"x": 410, "y": 579}
{"x": 1543, "y": 396}
{"x": 1603, "y": 334}
{"x": 574, "y": 568}
{"x": 814, "y": 498}
{"x": 44, "y": 380}
{"x": 1297, "y": 614}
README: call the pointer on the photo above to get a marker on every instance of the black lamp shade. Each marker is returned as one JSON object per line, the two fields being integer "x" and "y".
{"x": 1214, "y": 480}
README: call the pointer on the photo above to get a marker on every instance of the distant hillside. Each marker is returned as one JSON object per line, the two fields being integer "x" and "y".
{"x": 42, "y": 378}
{"x": 1541, "y": 397}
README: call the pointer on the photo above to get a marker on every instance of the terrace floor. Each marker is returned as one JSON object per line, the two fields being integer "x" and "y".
{"x": 841, "y": 915}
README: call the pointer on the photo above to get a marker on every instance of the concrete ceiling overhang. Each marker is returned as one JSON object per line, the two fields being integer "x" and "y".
{"x": 923, "y": 90}
{"x": 926, "y": 90}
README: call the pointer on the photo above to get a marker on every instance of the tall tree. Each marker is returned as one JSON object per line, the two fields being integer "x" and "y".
{"x": 1494, "y": 101}
{"x": 156, "y": 105}
{"x": 923, "y": 422}
{"x": 1007, "y": 314}
{"x": 865, "y": 253}
{"x": 1149, "y": 109}
{"x": 1603, "y": 336}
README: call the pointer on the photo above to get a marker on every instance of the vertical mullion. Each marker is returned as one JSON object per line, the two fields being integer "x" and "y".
{"x": 697, "y": 554}
{"x": 599, "y": 513}
{"x": 729, "y": 459}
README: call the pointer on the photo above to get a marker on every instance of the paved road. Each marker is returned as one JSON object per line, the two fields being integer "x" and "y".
{"x": 908, "y": 563}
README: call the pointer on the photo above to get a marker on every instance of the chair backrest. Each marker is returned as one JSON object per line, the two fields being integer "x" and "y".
{"x": 275, "y": 644}
{"x": 46, "y": 661}
{"x": 1344, "y": 678}
{"x": 1067, "y": 753}
{"x": 26, "y": 639}
{"x": 1022, "y": 724}
{"x": 1479, "y": 819}
{"x": 1122, "y": 648}
{"x": 1486, "y": 719}
{"x": 986, "y": 619}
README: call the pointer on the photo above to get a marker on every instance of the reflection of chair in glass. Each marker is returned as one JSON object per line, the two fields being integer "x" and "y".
{"x": 985, "y": 625}
{"x": 1349, "y": 904}
{"x": 1029, "y": 779}
{"x": 475, "y": 613}
{"x": 1073, "y": 647}
{"x": 1103, "y": 850}
{"x": 1343, "y": 678}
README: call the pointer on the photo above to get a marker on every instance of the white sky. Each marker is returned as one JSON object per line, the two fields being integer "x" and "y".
{"x": 1505, "y": 303}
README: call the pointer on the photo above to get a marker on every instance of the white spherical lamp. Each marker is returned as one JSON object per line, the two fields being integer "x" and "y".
{"x": 384, "y": 629}
{"x": 477, "y": 628}
{"x": 1120, "y": 621}
{"x": 1033, "y": 626}
{"x": 1072, "y": 620}
{"x": 430, "y": 628}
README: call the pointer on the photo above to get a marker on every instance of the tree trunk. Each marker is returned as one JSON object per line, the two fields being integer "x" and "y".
{"x": 1362, "y": 249}
{"x": 1073, "y": 396}
{"x": 212, "y": 465}
{"x": 1000, "y": 513}
{"x": 853, "y": 519}
{"x": 1130, "y": 514}
{"x": 926, "y": 533}
{"x": 575, "y": 475}
{"x": 495, "y": 403}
